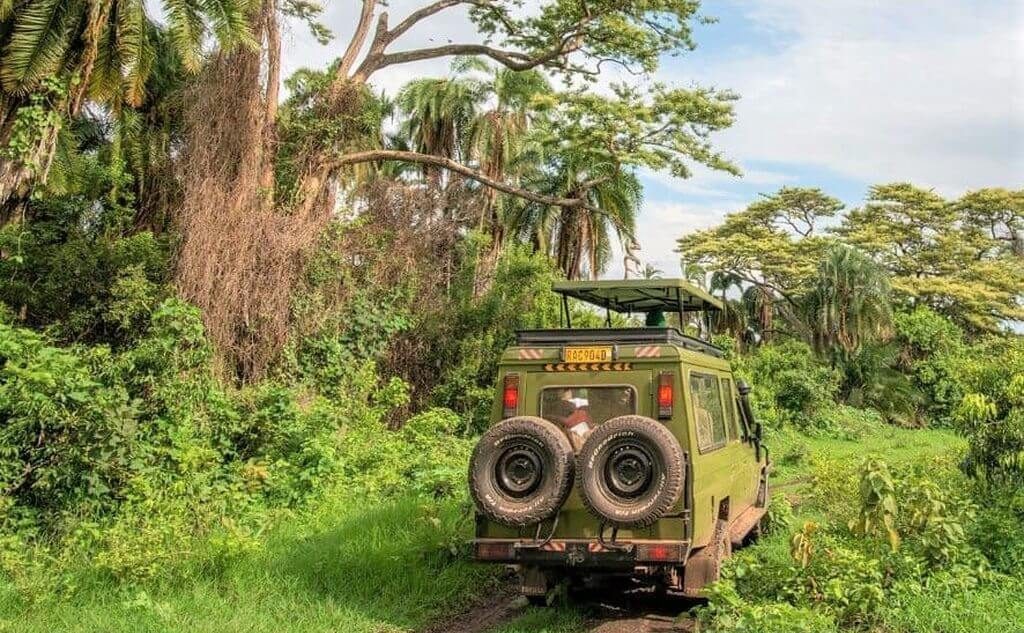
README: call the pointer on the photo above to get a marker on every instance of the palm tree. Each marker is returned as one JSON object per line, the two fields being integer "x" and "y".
{"x": 758, "y": 302}
{"x": 438, "y": 114}
{"x": 732, "y": 319}
{"x": 61, "y": 53}
{"x": 848, "y": 304}
{"x": 498, "y": 138}
{"x": 579, "y": 238}
{"x": 651, "y": 272}
{"x": 473, "y": 118}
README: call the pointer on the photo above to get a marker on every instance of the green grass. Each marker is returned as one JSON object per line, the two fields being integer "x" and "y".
{"x": 352, "y": 568}
{"x": 550, "y": 620}
{"x": 996, "y": 607}
{"x": 792, "y": 451}
{"x": 365, "y": 568}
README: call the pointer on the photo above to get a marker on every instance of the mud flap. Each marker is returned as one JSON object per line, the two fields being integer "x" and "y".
{"x": 705, "y": 567}
{"x": 762, "y": 487}
{"x": 533, "y": 581}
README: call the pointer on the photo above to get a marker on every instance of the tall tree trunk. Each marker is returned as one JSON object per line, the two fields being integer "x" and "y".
{"x": 272, "y": 35}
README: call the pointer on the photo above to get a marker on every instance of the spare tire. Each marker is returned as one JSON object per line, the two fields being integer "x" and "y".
{"x": 630, "y": 471}
{"x": 521, "y": 471}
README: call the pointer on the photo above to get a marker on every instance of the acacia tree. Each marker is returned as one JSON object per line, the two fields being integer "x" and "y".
{"x": 773, "y": 245}
{"x": 956, "y": 257}
{"x": 573, "y": 39}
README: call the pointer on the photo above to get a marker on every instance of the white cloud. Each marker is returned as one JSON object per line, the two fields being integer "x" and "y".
{"x": 663, "y": 222}
{"x": 931, "y": 92}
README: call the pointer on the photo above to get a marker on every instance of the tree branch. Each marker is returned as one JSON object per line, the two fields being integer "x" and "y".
{"x": 419, "y": 15}
{"x": 463, "y": 170}
{"x": 512, "y": 60}
{"x": 358, "y": 39}
{"x": 377, "y": 58}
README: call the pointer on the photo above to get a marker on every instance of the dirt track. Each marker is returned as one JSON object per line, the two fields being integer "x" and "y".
{"x": 608, "y": 612}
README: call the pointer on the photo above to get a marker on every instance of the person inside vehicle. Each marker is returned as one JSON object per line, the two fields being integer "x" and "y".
{"x": 573, "y": 414}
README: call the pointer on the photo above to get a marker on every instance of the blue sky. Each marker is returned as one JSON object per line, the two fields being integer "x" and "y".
{"x": 838, "y": 95}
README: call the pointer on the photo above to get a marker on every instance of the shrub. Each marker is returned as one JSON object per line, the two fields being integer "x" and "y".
{"x": 877, "y": 513}
{"x": 727, "y": 612}
{"x": 996, "y": 532}
{"x": 991, "y": 413}
{"x": 933, "y": 353}
{"x": 140, "y": 460}
{"x": 69, "y": 274}
{"x": 790, "y": 387}
{"x": 67, "y": 441}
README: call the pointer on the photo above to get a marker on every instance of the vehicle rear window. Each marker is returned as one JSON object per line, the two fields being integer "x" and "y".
{"x": 571, "y": 407}
{"x": 707, "y": 409}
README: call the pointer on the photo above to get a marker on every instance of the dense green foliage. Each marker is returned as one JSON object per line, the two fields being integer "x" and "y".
{"x": 153, "y": 476}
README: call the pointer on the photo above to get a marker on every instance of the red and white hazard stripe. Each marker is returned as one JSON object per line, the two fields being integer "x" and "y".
{"x": 531, "y": 354}
{"x": 554, "y": 546}
{"x": 647, "y": 351}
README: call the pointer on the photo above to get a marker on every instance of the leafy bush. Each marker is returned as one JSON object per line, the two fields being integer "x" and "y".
{"x": 424, "y": 457}
{"x": 877, "y": 513}
{"x": 996, "y": 532}
{"x": 779, "y": 516}
{"x": 469, "y": 337}
{"x": 991, "y": 413}
{"x": 68, "y": 272}
{"x": 141, "y": 460}
{"x": 790, "y": 387}
{"x": 66, "y": 439}
{"x": 727, "y": 612}
{"x": 933, "y": 353}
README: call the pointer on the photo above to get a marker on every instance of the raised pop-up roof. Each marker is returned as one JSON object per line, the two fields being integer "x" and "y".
{"x": 640, "y": 295}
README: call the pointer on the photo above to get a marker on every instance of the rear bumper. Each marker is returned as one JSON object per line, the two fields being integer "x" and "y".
{"x": 581, "y": 553}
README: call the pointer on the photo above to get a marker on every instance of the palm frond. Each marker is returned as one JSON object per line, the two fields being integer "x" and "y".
{"x": 134, "y": 48}
{"x": 43, "y": 32}
{"x": 230, "y": 21}
{"x": 185, "y": 28}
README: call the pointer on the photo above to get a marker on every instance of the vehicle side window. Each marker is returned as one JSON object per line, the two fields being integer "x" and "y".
{"x": 730, "y": 409}
{"x": 707, "y": 409}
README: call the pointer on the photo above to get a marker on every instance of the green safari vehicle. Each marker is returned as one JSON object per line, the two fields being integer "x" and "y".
{"x": 618, "y": 451}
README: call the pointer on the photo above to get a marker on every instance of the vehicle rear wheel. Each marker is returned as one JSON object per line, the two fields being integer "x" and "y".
{"x": 631, "y": 471}
{"x": 521, "y": 471}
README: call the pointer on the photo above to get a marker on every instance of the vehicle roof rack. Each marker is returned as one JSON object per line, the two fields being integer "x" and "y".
{"x": 640, "y": 295}
{"x": 627, "y": 336}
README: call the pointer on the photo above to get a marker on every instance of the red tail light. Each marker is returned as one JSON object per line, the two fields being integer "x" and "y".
{"x": 666, "y": 394}
{"x": 510, "y": 396}
{"x": 658, "y": 552}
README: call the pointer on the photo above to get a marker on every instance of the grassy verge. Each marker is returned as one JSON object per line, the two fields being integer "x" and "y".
{"x": 382, "y": 568}
{"x": 348, "y": 568}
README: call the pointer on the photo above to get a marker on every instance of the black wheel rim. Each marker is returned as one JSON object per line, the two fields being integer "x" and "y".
{"x": 519, "y": 471}
{"x": 629, "y": 470}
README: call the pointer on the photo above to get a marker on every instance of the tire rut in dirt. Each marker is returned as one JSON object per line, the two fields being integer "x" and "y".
{"x": 503, "y": 605}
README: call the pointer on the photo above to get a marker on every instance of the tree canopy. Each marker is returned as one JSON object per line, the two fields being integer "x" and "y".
{"x": 957, "y": 257}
